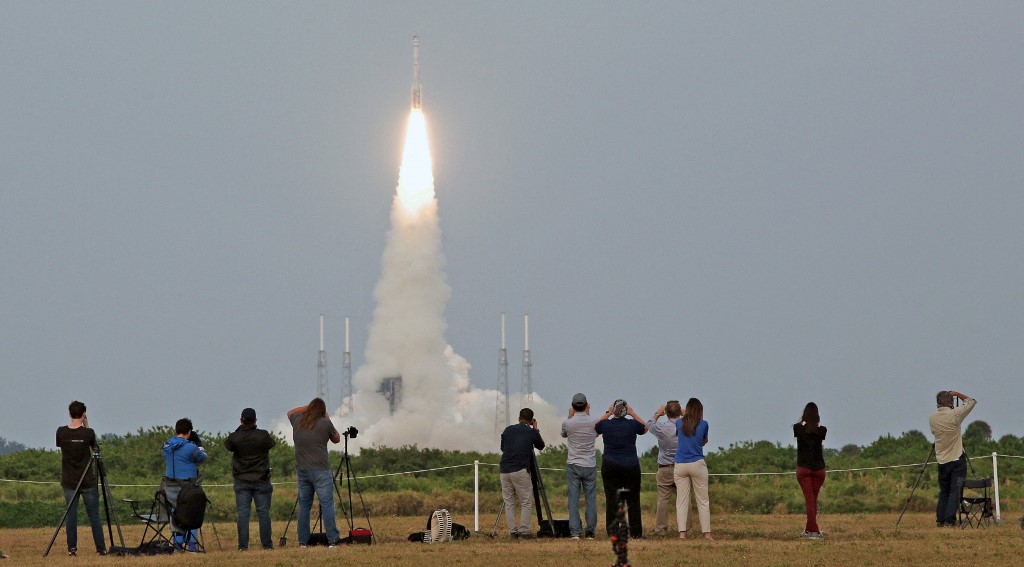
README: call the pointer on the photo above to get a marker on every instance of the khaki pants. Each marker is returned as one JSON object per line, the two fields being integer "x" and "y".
{"x": 518, "y": 485}
{"x": 696, "y": 474}
{"x": 666, "y": 494}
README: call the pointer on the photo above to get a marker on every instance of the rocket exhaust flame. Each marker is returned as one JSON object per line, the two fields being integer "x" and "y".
{"x": 416, "y": 176}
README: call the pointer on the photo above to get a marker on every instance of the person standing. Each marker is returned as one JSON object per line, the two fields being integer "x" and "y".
{"x": 620, "y": 467}
{"x": 810, "y": 464}
{"x": 517, "y": 444}
{"x": 77, "y": 442}
{"x": 581, "y": 466}
{"x": 181, "y": 455}
{"x": 250, "y": 467}
{"x": 311, "y": 430}
{"x": 949, "y": 453}
{"x": 692, "y": 432}
{"x": 665, "y": 432}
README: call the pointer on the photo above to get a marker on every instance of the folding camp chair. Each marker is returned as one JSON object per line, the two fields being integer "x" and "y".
{"x": 157, "y": 517}
{"x": 976, "y": 506}
{"x": 160, "y": 517}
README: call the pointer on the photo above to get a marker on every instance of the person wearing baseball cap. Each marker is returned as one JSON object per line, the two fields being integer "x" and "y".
{"x": 581, "y": 466}
{"x": 250, "y": 467}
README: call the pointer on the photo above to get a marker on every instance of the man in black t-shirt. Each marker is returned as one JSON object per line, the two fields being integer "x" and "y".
{"x": 77, "y": 442}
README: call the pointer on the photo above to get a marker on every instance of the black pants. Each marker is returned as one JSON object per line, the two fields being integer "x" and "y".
{"x": 951, "y": 488}
{"x": 614, "y": 477}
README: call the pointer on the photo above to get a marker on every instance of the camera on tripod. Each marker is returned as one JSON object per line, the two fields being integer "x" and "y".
{"x": 351, "y": 432}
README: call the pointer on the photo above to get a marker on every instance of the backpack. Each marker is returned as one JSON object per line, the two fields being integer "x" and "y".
{"x": 191, "y": 507}
{"x": 440, "y": 529}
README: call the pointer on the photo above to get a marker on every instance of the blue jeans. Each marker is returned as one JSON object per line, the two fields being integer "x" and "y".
{"x": 577, "y": 476}
{"x": 248, "y": 492}
{"x": 91, "y": 498}
{"x": 321, "y": 482}
{"x": 951, "y": 488}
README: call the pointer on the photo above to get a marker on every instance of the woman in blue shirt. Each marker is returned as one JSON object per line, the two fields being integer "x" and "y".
{"x": 690, "y": 468}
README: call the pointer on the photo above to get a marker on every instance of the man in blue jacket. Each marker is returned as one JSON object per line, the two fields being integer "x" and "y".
{"x": 181, "y": 454}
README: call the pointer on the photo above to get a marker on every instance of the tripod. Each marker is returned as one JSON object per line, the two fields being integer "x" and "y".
{"x": 540, "y": 496}
{"x": 916, "y": 482}
{"x": 347, "y": 462}
{"x": 101, "y": 471}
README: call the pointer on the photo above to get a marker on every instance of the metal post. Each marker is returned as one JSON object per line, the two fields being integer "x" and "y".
{"x": 476, "y": 496}
{"x": 995, "y": 485}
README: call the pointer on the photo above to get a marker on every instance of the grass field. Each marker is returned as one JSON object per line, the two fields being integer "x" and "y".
{"x": 740, "y": 540}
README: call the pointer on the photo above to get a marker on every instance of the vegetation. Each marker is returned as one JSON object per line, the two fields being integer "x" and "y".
{"x": 866, "y": 479}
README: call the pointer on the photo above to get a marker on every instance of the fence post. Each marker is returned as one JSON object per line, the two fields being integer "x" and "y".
{"x": 476, "y": 496}
{"x": 995, "y": 484}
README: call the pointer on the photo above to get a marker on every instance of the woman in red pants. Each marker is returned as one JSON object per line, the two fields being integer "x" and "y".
{"x": 810, "y": 464}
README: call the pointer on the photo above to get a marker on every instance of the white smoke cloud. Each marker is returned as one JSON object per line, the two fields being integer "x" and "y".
{"x": 439, "y": 407}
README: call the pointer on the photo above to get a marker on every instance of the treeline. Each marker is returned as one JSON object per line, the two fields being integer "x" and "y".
{"x": 445, "y": 478}
{"x": 7, "y": 446}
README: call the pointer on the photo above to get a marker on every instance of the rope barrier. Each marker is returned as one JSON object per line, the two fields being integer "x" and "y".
{"x": 418, "y": 471}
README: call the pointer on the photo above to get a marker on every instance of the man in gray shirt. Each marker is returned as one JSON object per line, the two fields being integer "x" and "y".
{"x": 668, "y": 439}
{"x": 581, "y": 466}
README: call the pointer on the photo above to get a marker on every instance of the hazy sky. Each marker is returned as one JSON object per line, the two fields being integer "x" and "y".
{"x": 758, "y": 204}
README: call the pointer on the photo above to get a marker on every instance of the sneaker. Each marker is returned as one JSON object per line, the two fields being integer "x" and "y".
{"x": 812, "y": 535}
{"x": 589, "y": 535}
{"x": 102, "y": 552}
{"x": 574, "y": 538}
{"x": 72, "y": 552}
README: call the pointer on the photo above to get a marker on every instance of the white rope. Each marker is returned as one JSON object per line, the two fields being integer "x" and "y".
{"x": 382, "y": 475}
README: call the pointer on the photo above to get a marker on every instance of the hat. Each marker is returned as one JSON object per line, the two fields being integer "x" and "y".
{"x": 619, "y": 408}
{"x": 579, "y": 402}
{"x": 248, "y": 414}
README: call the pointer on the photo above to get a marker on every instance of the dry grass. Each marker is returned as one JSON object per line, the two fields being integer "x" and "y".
{"x": 740, "y": 540}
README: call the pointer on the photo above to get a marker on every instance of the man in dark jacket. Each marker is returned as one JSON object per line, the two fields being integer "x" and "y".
{"x": 517, "y": 444}
{"x": 250, "y": 465}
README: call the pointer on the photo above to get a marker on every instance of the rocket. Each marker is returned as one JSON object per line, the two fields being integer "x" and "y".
{"x": 416, "y": 87}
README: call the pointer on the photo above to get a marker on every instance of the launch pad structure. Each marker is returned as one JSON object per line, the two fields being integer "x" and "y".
{"x": 526, "y": 387}
{"x": 321, "y": 369}
{"x": 346, "y": 375}
{"x": 501, "y": 418}
{"x": 391, "y": 389}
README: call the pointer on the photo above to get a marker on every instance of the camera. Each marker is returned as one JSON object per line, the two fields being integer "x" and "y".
{"x": 351, "y": 432}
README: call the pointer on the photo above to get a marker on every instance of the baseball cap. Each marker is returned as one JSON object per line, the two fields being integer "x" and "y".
{"x": 579, "y": 402}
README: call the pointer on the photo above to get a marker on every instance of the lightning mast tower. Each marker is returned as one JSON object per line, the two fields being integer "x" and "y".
{"x": 526, "y": 389}
{"x": 501, "y": 413}
{"x": 321, "y": 368}
{"x": 346, "y": 375}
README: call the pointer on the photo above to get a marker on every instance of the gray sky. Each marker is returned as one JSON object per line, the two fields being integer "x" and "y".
{"x": 758, "y": 204}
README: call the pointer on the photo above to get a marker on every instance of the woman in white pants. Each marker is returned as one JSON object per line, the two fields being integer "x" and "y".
{"x": 690, "y": 468}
